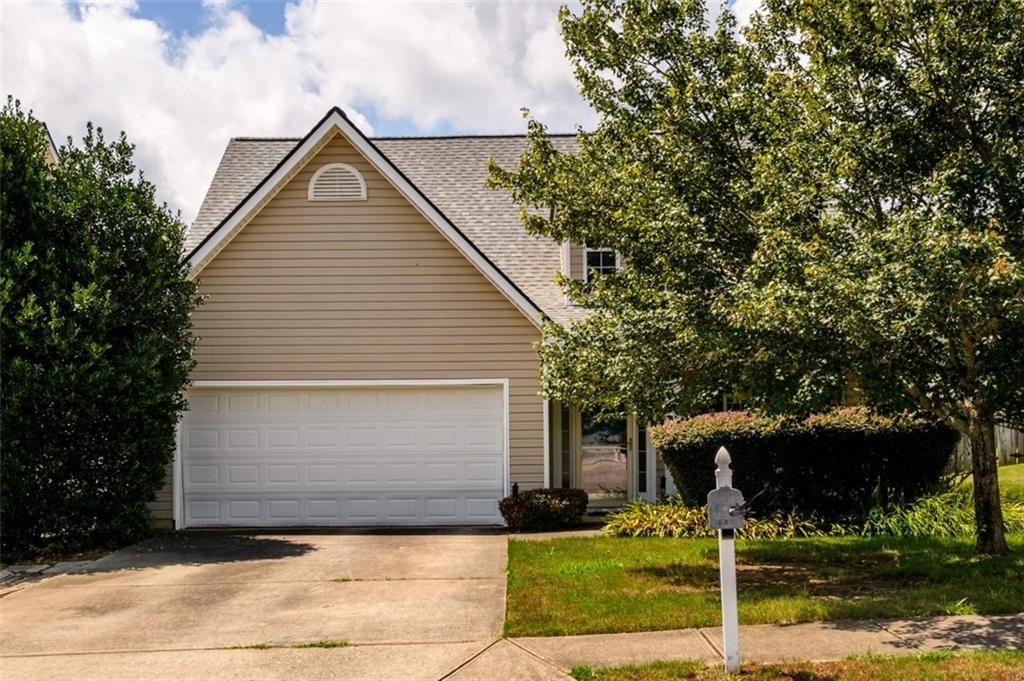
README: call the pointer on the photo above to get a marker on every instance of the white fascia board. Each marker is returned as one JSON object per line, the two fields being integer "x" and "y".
{"x": 336, "y": 121}
{"x": 177, "y": 488}
{"x": 348, "y": 383}
{"x": 228, "y": 229}
{"x": 546, "y": 406}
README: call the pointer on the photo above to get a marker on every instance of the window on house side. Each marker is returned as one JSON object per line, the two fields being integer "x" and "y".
{"x": 602, "y": 261}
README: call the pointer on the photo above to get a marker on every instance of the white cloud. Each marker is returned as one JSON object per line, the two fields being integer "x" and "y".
{"x": 744, "y": 10}
{"x": 468, "y": 67}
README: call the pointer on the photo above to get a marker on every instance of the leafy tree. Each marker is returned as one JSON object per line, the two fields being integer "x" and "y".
{"x": 831, "y": 199}
{"x": 96, "y": 347}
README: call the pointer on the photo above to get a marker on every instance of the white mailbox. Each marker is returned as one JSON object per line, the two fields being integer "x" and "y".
{"x": 725, "y": 514}
{"x": 725, "y": 508}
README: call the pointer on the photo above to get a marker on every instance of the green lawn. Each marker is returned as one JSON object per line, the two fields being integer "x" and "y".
{"x": 986, "y": 666}
{"x": 583, "y": 585}
{"x": 1011, "y": 480}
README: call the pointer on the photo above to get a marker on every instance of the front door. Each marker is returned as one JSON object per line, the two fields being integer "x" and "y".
{"x": 604, "y": 460}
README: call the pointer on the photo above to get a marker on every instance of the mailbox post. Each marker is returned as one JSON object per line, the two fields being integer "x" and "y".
{"x": 725, "y": 514}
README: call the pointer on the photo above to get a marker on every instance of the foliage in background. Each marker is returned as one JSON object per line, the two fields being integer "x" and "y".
{"x": 831, "y": 198}
{"x": 673, "y": 517}
{"x": 96, "y": 348}
{"x": 830, "y": 464}
{"x": 948, "y": 514}
{"x": 543, "y": 509}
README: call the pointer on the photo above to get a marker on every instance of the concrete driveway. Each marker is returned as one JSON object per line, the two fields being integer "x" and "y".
{"x": 218, "y": 605}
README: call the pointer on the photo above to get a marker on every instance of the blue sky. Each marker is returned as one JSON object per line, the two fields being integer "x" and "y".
{"x": 182, "y": 78}
{"x": 189, "y": 17}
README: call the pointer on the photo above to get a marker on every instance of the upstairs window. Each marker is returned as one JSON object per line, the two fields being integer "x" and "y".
{"x": 337, "y": 182}
{"x": 602, "y": 261}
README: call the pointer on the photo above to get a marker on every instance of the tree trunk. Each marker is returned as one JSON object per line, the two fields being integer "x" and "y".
{"x": 988, "y": 512}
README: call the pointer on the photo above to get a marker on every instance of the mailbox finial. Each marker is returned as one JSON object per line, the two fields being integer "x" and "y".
{"x": 723, "y": 475}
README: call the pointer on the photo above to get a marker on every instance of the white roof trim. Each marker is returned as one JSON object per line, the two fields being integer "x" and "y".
{"x": 347, "y": 383}
{"x": 335, "y": 120}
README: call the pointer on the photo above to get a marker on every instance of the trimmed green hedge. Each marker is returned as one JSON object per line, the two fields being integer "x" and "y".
{"x": 543, "y": 509}
{"x": 831, "y": 465}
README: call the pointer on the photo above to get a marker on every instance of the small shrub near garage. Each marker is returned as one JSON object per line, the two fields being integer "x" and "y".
{"x": 543, "y": 509}
{"x": 831, "y": 465}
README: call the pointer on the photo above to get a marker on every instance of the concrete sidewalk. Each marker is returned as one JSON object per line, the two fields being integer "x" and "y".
{"x": 532, "y": 659}
{"x": 545, "y": 658}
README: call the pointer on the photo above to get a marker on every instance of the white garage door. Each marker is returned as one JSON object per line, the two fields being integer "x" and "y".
{"x": 344, "y": 456}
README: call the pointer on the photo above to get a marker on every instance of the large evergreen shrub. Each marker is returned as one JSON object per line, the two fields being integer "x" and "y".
{"x": 831, "y": 465}
{"x": 96, "y": 347}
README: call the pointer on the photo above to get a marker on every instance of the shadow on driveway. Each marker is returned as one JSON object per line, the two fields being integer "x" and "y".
{"x": 219, "y": 546}
{"x": 185, "y": 548}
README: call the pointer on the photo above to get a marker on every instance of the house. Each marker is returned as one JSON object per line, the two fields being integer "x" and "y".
{"x": 51, "y": 154}
{"x": 366, "y": 349}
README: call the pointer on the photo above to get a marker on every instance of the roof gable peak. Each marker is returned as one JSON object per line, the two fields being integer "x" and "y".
{"x": 336, "y": 122}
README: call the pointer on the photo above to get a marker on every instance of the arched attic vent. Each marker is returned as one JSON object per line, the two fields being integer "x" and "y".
{"x": 337, "y": 182}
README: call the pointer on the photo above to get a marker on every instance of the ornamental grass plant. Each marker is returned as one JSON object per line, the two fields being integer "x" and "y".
{"x": 948, "y": 514}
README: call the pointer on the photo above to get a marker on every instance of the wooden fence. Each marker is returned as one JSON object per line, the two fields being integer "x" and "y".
{"x": 1009, "y": 449}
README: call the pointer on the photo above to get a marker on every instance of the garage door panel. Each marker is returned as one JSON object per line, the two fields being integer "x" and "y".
{"x": 283, "y": 473}
{"x": 343, "y": 509}
{"x": 244, "y": 403}
{"x": 323, "y": 510}
{"x": 285, "y": 438}
{"x": 323, "y": 473}
{"x": 199, "y": 438}
{"x": 329, "y": 471}
{"x": 442, "y": 509}
{"x": 485, "y": 435}
{"x": 361, "y": 511}
{"x": 243, "y": 475}
{"x": 424, "y": 455}
{"x": 482, "y": 509}
{"x": 243, "y": 510}
{"x": 201, "y": 511}
{"x": 210, "y": 438}
{"x": 205, "y": 474}
{"x": 482, "y": 473}
{"x": 283, "y": 510}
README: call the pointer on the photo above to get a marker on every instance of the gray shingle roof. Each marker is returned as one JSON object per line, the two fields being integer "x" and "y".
{"x": 450, "y": 171}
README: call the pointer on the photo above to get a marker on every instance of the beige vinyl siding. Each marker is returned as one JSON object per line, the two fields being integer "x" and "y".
{"x": 163, "y": 513}
{"x": 363, "y": 290}
{"x": 576, "y": 261}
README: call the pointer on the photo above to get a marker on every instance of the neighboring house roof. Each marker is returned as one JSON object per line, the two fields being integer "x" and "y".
{"x": 52, "y": 155}
{"x": 450, "y": 171}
